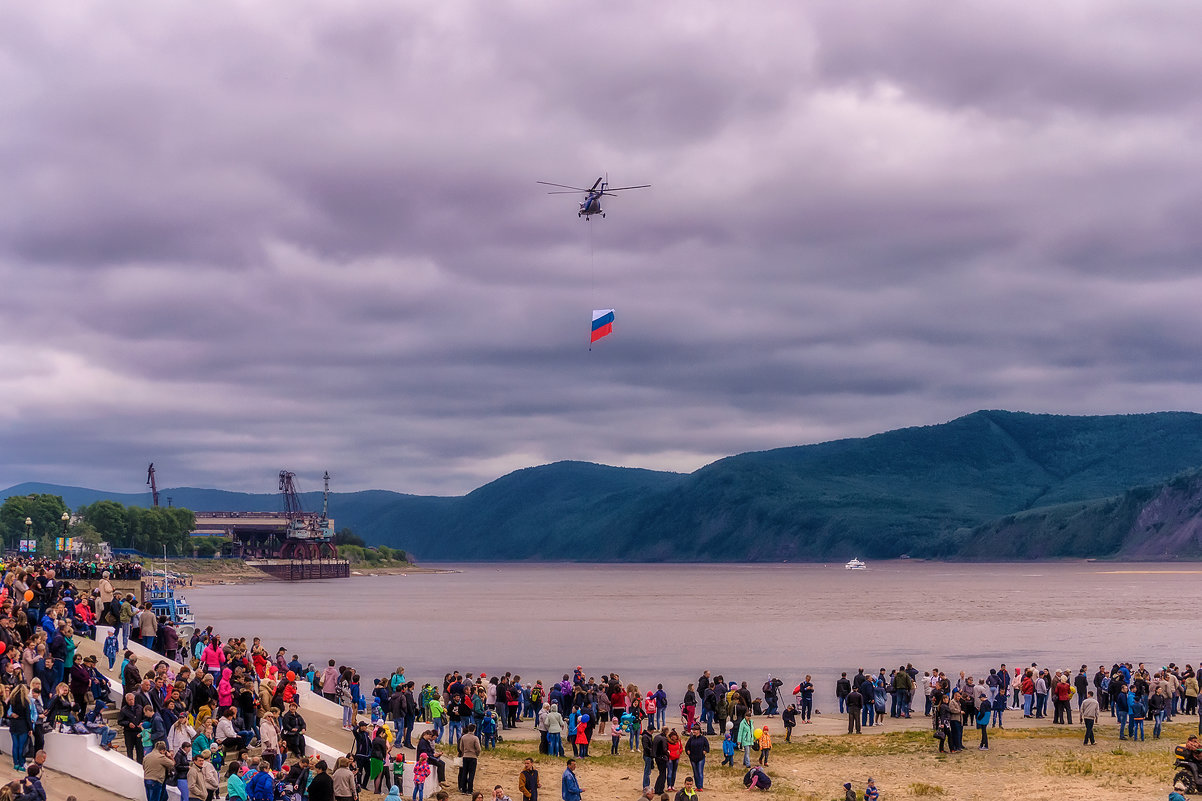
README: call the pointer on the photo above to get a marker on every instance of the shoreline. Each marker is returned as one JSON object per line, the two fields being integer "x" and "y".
{"x": 233, "y": 572}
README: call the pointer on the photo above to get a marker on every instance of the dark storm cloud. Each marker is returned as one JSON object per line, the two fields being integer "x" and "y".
{"x": 240, "y": 238}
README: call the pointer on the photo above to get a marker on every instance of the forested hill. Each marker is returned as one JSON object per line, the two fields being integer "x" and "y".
{"x": 937, "y": 491}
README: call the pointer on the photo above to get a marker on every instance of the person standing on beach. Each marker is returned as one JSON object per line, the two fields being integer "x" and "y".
{"x": 696, "y": 749}
{"x": 984, "y": 712}
{"x": 805, "y": 695}
{"x": 957, "y": 723}
{"x": 854, "y": 703}
{"x": 721, "y": 708}
{"x": 659, "y": 753}
{"x": 469, "y": 748}
{"x": 903, "y": 686}
{"x": 554, "y": 721}
{"x": 744, "y": 737}
{"x": 648, "y": 756}
{"x": 528, "y": 781}
{"x": 1081, "y": 684}
{"x": 1028, "y": 690}
{"x": 842, "y": 690}
{"x": 569, "y": 786}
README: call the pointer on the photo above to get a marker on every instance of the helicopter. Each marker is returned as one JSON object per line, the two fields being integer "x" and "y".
{"x": 592, "y": 197}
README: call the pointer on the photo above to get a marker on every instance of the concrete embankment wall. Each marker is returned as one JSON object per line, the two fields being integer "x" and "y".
{"x": 81, "y": 756}
{"x": 322, "y": 716}
{"x": 122, "y": 587}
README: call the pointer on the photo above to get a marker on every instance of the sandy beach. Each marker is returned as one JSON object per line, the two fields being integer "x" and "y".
{"x": 1040, "y": 762}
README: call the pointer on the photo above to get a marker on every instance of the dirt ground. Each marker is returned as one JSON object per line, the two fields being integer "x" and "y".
{"x": 1024, "y": 763}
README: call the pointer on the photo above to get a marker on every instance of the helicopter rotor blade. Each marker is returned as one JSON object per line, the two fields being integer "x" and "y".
{"x": 620, "y": 188}
{"x": 577, "y": 192}
{"x": 596, "y": 184}
{"x": 563, "y": 186}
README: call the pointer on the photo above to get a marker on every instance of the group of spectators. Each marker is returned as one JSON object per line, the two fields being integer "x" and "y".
{"x": 228, "y": 721}
{"x": 91, "y": 569}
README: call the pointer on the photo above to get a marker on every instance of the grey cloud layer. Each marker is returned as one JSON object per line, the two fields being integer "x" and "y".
{"x": 241, "y": 237}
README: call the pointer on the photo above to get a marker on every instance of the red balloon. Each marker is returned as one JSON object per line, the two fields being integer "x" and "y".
{"x": 3, "y": 647}
{"x": 291, "y": 676}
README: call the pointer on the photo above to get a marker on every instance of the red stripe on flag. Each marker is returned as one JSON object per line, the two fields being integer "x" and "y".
{"x": 603, "y": 331}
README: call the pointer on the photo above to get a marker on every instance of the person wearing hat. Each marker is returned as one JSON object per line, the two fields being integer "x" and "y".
{"x": 870, "y": 792}
{"x": 848, "y": 793}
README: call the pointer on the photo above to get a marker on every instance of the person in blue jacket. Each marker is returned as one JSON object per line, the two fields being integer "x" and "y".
{"x": 570, "y": 787}
{"x": 999, "y": 706}
{"x": 1137, "y": 712}
{"x": 1122, "y": 708}
{"x": 983, "y": 715}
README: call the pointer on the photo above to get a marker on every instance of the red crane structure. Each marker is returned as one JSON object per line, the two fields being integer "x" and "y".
{"x": 154, "y": 487}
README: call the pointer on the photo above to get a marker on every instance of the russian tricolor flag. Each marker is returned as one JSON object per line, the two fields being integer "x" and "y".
{"x": 603, "y": 323}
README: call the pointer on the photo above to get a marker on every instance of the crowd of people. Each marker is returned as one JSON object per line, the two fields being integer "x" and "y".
{"x": 222, "y": 716}
{"x": 83, "y": 568}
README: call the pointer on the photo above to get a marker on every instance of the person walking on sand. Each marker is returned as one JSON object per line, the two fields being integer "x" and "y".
{"x": 848, "y": 793}
{"x": 1089, "y": 716}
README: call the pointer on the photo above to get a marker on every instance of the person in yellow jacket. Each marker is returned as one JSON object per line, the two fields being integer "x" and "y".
{"x": 765, "y": 745}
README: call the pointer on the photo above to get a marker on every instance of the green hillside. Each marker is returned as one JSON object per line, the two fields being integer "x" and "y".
{"x": 1161, "y": 521}
{"x": 904, "y": 491}
{"x": 991, "y": 484}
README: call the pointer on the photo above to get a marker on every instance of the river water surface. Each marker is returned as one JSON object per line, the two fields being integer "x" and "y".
{"x": 666, "y": 623}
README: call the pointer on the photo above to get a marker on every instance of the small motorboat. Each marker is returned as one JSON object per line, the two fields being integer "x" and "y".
{"x": 855, "y": 564}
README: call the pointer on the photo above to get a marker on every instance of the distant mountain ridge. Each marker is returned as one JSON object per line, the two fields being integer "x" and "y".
{"x": 944, "y": 491}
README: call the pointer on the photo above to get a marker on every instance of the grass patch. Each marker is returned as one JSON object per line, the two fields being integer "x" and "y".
{"x": 924, "y": 789}
{"x": 898, "y": 742}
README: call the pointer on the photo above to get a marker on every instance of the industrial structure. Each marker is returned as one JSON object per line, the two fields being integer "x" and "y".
{"x": 291, "y": 544}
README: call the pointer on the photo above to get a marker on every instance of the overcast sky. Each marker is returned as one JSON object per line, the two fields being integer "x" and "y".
{"x": 242, "y": 237}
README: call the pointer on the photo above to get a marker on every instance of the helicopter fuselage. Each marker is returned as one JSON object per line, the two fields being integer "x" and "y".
{"x": 590, "y": 205}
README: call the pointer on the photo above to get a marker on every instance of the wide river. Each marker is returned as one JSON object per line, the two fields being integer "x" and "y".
{"x": 666, "y": 623}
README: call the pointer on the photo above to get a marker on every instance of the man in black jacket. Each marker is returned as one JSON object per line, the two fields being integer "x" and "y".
{"x": 292, "y": 727}
{"x": 696, "y": 748}
{"x": 855, "y": 704}
{"x": 322, "y": 786}
{"x": 129, "y": 719}
{"x": 410, "y": 710}
{"x": 842, "y": 688}
{"x": 659, "y": 752}
{"x": 645, "y": 744}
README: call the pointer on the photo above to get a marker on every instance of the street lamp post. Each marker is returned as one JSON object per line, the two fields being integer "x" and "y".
{"x": 28, "y": 529}
{"x": 66, "y": 518}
